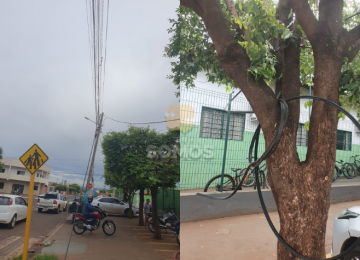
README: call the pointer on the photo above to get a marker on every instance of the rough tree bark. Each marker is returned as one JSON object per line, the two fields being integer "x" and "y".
{"x": 301, "y": 189}
{"x": 155, "y": 217}
{"x": 141, "y": 208}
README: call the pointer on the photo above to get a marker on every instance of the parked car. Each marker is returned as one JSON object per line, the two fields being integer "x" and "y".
{"x": 52, "y": 201}
{"x": 115, "y": 206}
{"x": 41, "y": 196}
{"x": 12, "y": 209}
{"x": 101, "y": 196}
{"x": 346, "y": 231}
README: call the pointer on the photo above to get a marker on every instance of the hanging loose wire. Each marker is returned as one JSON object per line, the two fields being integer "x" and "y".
{"x": 95, "y": 20}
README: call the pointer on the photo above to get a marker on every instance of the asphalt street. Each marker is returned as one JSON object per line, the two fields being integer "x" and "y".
{"x": 41, "y": 223}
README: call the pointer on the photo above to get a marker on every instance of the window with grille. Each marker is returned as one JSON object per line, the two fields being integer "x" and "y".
{"x": 1, "y": 185}
{"x": 343, "y": 140}
{"x": 213, "y": 124}
{"x": 301, "y": 136}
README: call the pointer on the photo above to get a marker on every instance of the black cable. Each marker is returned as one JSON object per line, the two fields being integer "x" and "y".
{"x": 352, "y": 16}
{"x": 143, "y": 123}
{"x": 269, "y": 150}
{"x": 107, "y": 23}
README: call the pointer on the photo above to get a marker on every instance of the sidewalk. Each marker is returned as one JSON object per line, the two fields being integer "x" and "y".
{"x": 241, "y": 237}
{"x": 129, "y": 242}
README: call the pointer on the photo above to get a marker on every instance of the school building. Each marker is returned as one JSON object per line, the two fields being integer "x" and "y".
{"x": 15, "y": 176}
{"x": 203, "y": 141}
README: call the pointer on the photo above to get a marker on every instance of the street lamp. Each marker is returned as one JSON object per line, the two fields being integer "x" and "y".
{"x": 90, "y": 120}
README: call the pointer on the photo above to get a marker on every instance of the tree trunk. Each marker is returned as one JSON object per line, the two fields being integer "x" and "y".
{"x": 141, "y": 208}
{"x": 155, "y": 217}
{"x": 302, "y": 189}
{"x": 130, "y": 212}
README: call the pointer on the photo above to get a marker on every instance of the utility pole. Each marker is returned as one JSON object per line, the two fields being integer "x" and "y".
{"x": 91, "y": 170}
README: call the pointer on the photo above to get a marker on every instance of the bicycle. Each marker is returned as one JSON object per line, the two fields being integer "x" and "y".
{"x": 356, "y": 164}
{"x": 230, "y": 183}
{"x": 347, "y": 169}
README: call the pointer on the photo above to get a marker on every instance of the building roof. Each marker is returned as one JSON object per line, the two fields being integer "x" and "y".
{"x": 18, "y": 163}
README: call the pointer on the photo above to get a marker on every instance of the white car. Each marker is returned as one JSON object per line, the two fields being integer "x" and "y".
{"x": 52, "y": 201}
{"x": 12, "y": 209}
{"x": 101, "y": 196}
{"x": 114, "y": 206}
{"x": 346, "y": 231}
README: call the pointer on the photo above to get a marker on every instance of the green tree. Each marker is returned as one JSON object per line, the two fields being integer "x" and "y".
{"x": 164, "y": 168}
{"x": 61, "y": 187}
{"x": 250, "y": 44}
{"x": 74, "y": 187}
{"x": 126, "y": 162}
{"x": 103, "y": 191}
{"x": 1, "y": 164}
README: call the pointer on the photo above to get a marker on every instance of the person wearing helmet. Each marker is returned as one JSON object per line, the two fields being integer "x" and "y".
{"x": 88, "y": 209}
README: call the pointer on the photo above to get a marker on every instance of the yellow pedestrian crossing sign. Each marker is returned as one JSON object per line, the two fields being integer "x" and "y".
{"x": 33, "y": 158}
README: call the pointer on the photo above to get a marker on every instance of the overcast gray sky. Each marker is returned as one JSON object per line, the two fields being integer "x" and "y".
{"x": 46, "y": 82}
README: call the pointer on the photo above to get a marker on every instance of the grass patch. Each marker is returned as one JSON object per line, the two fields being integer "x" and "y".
{"x": 45, "y": 257}
{"x": 17, "y": 257}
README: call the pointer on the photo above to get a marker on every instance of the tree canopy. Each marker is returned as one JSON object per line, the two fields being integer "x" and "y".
{"x": 259, "y": 28}
{"x": 74, "y": 187}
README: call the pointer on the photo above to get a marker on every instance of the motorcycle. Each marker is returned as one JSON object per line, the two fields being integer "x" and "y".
{"x": 82, "y": 223}
{"x": 166, "y": 221}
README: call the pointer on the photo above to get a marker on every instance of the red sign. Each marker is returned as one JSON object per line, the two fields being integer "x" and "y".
{"x": 90, "y": 185}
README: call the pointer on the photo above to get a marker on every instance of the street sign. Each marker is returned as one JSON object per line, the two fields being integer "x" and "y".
{"x": 33, "y": 158}
{"x": 90, "y": 186}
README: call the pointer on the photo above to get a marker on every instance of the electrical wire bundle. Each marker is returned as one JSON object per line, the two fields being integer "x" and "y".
{"x": 95, "y": 21}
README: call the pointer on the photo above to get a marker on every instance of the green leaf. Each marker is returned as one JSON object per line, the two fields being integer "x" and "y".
{"x": 259, "y": 37}
{"x": 307, "y": 125}
{"x": 308, "y": 104}
{"x": 287, "y": 34}
{"x": 342, "y": 116}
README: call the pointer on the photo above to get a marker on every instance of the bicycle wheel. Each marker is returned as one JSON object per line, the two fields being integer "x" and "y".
{"x": 336, "y": 173}
{"x": 214, "y": 183}
{"x": 250, "y": 179}
{"x": 348, "y": 170}
{"x": 263, "y": 169}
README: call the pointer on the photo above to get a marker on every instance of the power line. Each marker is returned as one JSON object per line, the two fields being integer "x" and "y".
{"x": 107, "y": 23}
{"x": 352, "y": 16}
{"x": 148, "y": 123}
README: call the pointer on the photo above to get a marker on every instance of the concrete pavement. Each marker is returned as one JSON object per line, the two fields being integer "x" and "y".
{"x": 129, "y": 242}
{"x": 241, "y": 237}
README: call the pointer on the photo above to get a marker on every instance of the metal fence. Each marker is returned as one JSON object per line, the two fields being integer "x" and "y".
{"x": 213, "y": 140}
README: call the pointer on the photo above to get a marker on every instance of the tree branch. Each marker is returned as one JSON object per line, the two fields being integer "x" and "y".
{"x": 232, "y": 11}
{"x": 235, "y": 61}
{"x": 306, "y": 18}
{"x": 352, "y": 37}
{"x": 355, "y": 48}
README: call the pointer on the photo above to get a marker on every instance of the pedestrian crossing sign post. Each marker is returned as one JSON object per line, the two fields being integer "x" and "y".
{"x": 32, "y": 159}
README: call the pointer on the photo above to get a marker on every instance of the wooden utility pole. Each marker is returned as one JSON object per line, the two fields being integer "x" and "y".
{"x": 91, "y": 170}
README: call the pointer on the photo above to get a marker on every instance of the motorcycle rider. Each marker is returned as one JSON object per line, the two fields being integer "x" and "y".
{"x": 88, "y": 209}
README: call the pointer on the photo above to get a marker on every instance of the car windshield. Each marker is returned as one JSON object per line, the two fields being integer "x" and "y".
{"x": 50, "y": 196}
{"x": 4, "y": 201}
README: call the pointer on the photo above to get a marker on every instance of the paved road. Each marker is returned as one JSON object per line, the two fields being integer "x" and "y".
{"x": 41, "y": 223}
